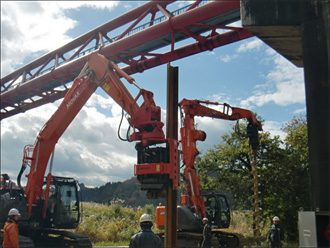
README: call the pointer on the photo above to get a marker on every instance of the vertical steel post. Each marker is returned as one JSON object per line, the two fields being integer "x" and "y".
{"x": 316, "y": 55}
{"x": 171, "y": 132}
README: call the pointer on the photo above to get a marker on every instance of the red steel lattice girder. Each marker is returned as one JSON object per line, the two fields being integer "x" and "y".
{"x": 131, "y": 50}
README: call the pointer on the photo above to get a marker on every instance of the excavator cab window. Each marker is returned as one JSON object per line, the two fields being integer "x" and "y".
{"x": 210, "y": 205}
{"x": 217, "y": 210}
{"x": 68, "y": 200}
{"x": 63, "y": 204}
{"x": 224, "y": 211}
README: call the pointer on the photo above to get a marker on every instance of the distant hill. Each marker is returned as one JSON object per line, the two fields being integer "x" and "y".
{"x": 127, "y": 191}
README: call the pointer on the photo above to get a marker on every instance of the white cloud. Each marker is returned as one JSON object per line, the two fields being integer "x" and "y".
{"x": 184, "y": 3}
{"x": 214, "y": 129}
{"x": 246, "y": 46}
{"x": 109, "y": 5}
{"x": 274, "y": 128}
{"x": 35, "y": 28}
{"x": 98, "y": 100}
{"x": 249, "y": 46}
{"x": 284, "y": 85}
{"x": 88, "y": 149}
{"x": 128, "y": 6}
{"x": 237, "y": 24}
{"x": 220, "y": 98}
{"x": 228, "y": 58}
{"x": 210, "y": 53}
{"x": 300, "y": 111}
{"x": 270, "y": 51}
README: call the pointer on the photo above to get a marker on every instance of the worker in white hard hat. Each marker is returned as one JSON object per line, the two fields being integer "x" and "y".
{"x": 10, "y": 238}
{"x": 145, "y": 238}
{"x": 275, "y": 234}
{"x": 207, "y": 234}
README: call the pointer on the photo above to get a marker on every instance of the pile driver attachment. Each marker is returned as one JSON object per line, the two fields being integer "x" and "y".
{"x": 157, "y": 167}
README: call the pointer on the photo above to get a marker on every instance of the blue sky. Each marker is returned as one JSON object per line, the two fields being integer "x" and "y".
{"x": 247, "y": 74}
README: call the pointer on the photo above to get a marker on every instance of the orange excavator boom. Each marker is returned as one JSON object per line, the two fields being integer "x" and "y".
{"x": 98, "y": 72}
{"x": 190, "y": 135}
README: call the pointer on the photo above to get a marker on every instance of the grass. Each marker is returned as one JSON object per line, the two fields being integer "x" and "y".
{"x": 123, "y": 243}
{"x": 241, "y": 224}
{"x": 110, "y": 225}
{"x": 115, "y": 224}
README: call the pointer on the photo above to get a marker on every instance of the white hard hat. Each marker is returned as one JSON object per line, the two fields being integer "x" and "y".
{"x": 13, "y": 211}
{"x": 145, "y": 218}
{"x": 276, "y": 218}
{"x": 205, "y": 219}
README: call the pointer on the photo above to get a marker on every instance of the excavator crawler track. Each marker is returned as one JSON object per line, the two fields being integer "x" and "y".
{"x": 59, "y": 238}
{"x": 226, "y": 239}
{"x": 192, "y": 239}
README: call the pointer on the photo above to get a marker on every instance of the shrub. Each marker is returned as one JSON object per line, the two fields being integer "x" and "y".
{"x": 114, "y": 223}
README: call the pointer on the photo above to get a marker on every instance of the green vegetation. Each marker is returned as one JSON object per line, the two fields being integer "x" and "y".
{"x": 114, "y": 223}
{"x": 283, "y": 170}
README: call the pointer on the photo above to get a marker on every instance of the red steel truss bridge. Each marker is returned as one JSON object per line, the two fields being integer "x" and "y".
{"x": 147, "y": 29}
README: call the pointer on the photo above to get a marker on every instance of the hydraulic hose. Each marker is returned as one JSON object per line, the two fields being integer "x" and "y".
{"x": 20, "y": 175}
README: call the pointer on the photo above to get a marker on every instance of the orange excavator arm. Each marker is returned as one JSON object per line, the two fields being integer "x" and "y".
{"x": 190, "y": 135}
{"x": 98, "y": 72}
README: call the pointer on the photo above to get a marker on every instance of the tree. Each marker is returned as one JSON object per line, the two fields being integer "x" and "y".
{"x": 282, "y": 166}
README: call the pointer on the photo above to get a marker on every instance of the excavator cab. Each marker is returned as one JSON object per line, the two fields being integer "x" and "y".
{"x": 63, "y": 203}
{"x": 217, "y": 210}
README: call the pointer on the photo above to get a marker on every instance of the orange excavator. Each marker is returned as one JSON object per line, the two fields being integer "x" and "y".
{"x": 194, "y": 205}
{"x": 48, "y": 204}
